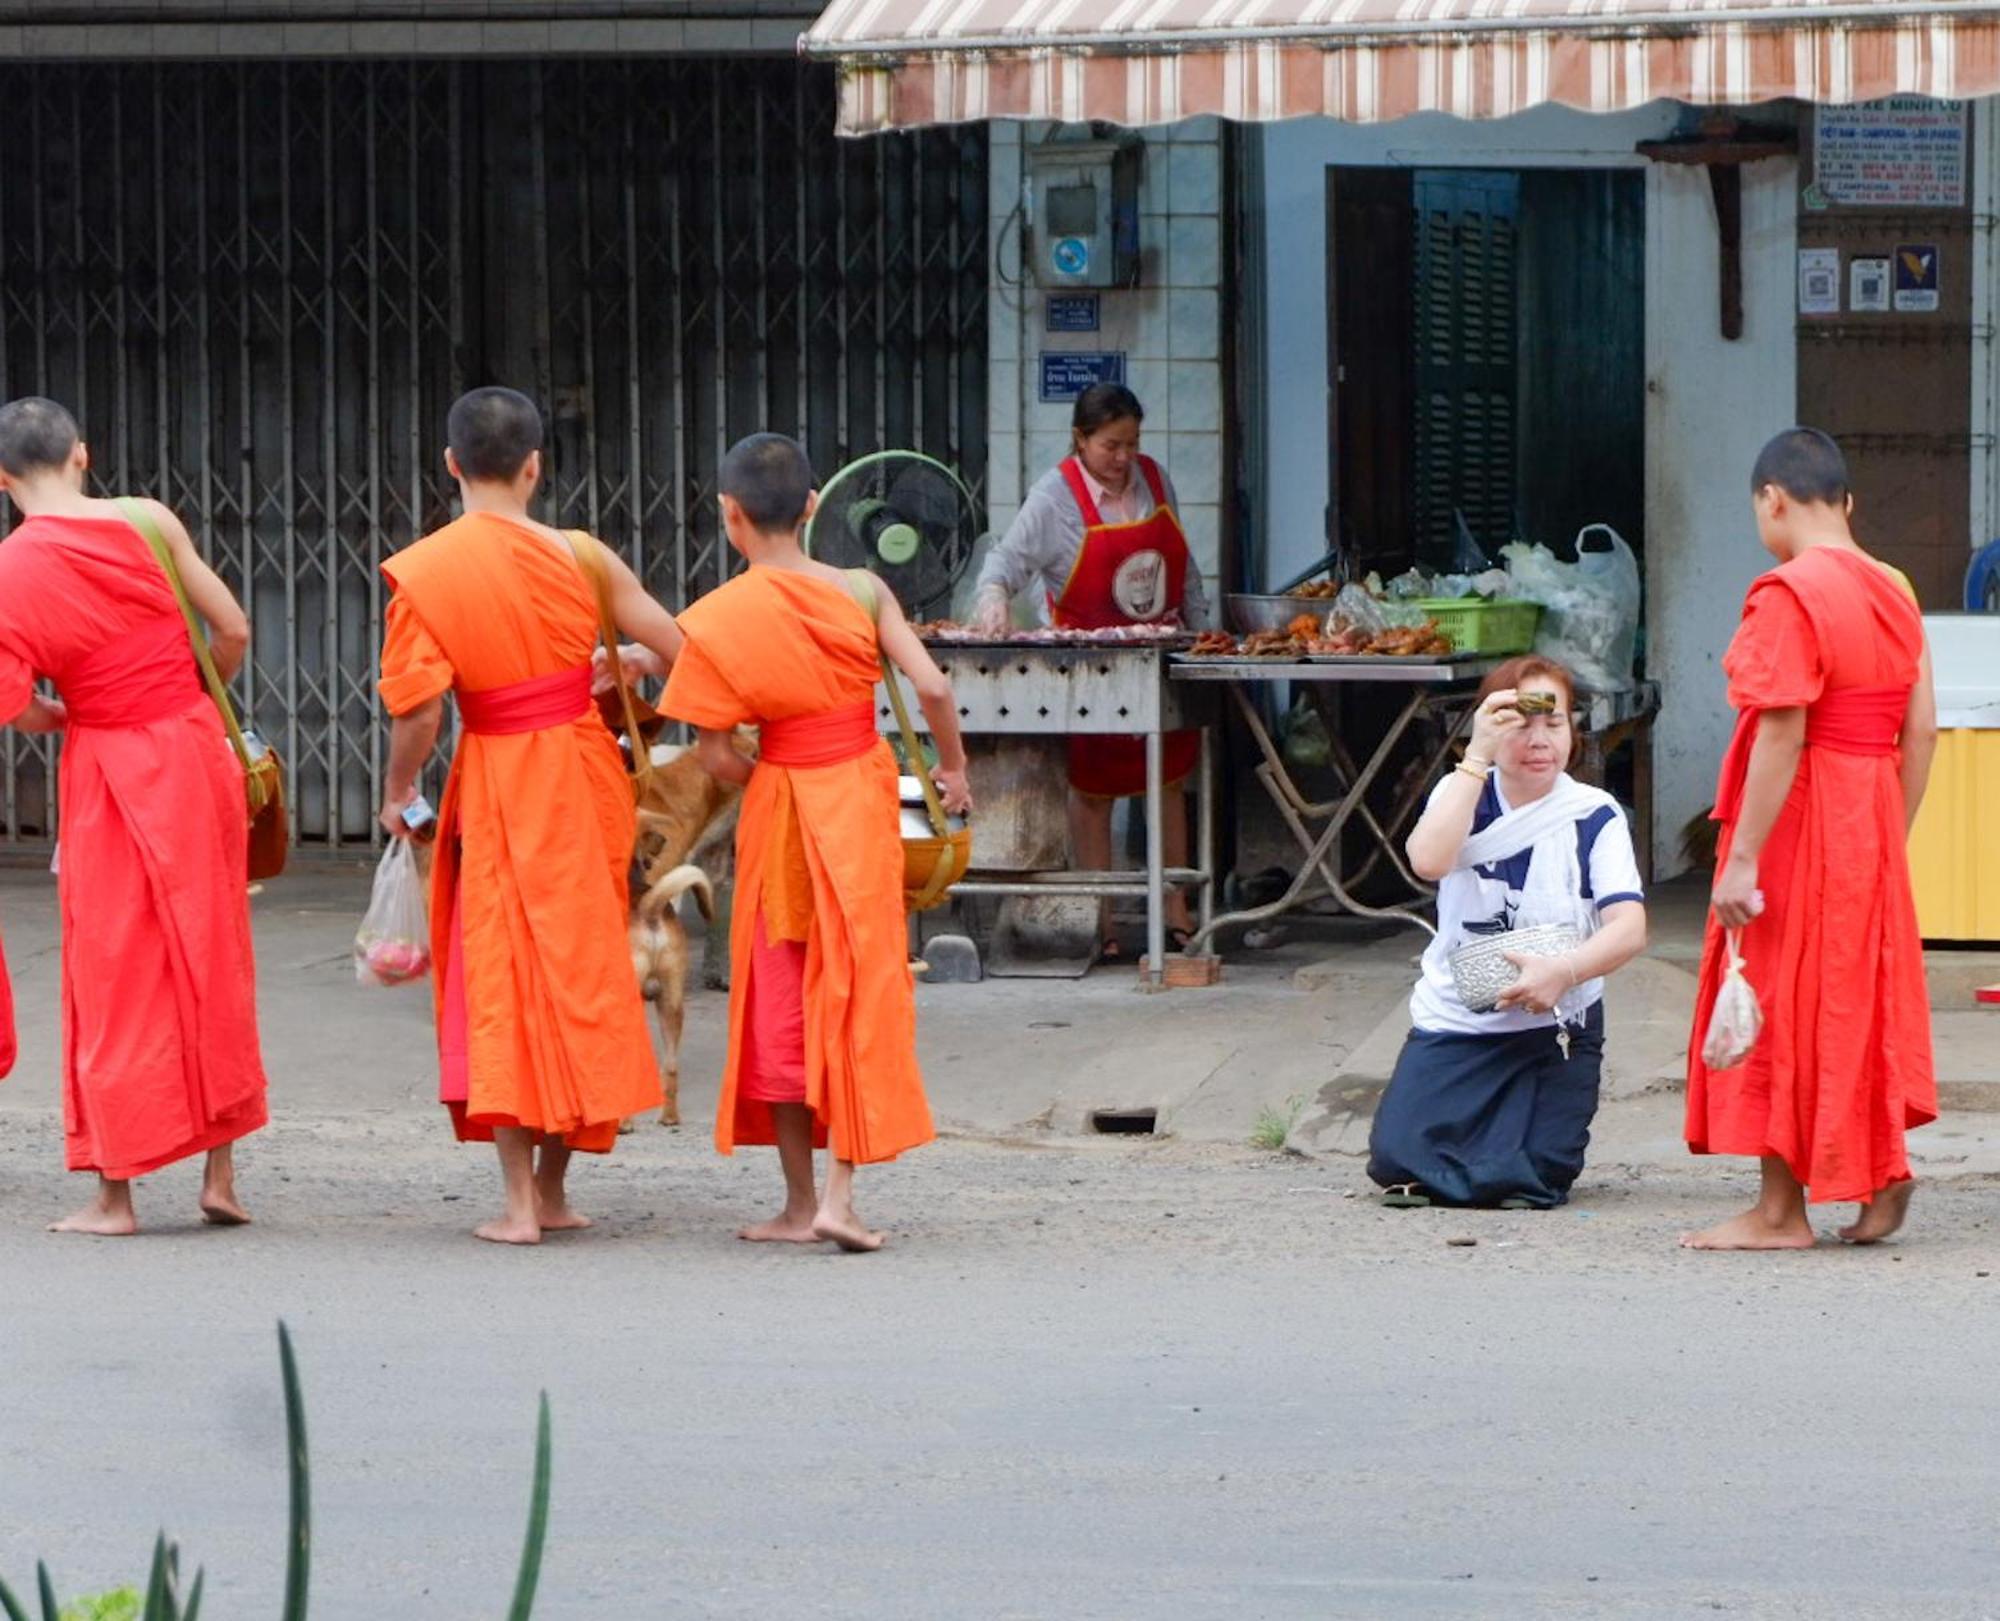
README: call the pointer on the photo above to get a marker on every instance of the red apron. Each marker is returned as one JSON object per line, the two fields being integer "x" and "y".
{"x": 1124, "y": 574}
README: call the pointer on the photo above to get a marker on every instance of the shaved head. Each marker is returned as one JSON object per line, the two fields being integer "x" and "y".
{"x": 36, "y": 436}
{"x": 492, "y": 433}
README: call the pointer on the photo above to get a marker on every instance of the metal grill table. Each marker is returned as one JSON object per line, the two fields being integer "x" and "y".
{"x": 1086, "y": 690}
{"x": 1439, "y": 687}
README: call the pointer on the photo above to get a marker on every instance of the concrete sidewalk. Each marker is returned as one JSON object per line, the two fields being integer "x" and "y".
{"x": 1306, "y": 1032}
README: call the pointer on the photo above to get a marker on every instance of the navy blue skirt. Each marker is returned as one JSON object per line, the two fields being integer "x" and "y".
{"x": 1473, "y": 1120}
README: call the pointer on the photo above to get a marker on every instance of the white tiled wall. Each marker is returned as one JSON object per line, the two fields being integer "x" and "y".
{"x": 1168, "y": 328}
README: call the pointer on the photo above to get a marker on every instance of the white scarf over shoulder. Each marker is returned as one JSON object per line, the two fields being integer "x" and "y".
{"x": 1553, "y": 892}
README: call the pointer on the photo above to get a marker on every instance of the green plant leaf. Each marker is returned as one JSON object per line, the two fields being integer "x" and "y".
{"x": 51, "y": 1611}
{"x": 11, "y": 1604}
{"x": 538, "y": 1523}
{"x": 158, "y": 1603}
{"x": 193, "y": 1610}
{"x": 298, "y": 1555}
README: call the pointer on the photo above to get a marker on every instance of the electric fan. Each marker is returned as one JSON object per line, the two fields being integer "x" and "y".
{"x": 904, "y": 517}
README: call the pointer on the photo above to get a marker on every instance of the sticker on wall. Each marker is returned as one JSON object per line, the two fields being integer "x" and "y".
{"x": 1819, "y": 281}
{"x": 1072, "y": 312}
{"x": 1071, "y": 256}
{"x": 1917, "y": 278}
{"x": 1868, "y": 286}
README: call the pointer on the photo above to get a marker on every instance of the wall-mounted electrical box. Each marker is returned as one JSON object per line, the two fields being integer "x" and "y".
{"x": 1084, "y": 213}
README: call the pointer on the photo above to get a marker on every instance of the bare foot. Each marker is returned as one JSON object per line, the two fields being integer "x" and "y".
{"x": 1881, "y": 1216}
{"x": 781, "y": 1230}
{"x": 98, "y": 1221}
{"x": 562, "y": 1219}
{"x": 508, "y": 1230}
{"x": 848, "y": 1233}
{"x": 221, "y": 1209}
{"x": 1753, "y": 1230}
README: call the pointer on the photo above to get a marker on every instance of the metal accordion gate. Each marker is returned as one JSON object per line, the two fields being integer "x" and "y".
{"x": 259, "y": 286}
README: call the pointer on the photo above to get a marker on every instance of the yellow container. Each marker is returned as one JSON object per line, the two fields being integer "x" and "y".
{"x": 1955, "y": 846}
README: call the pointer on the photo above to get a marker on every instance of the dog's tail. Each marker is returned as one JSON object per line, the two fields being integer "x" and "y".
{"x": 666, "y": 894}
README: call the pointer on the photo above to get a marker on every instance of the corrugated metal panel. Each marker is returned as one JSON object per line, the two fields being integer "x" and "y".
{"x": 260, "y": 287}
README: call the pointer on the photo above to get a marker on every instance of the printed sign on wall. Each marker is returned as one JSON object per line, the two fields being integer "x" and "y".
{"x": 1917, "y": 278}
{"x": 1868, "y": 286}
{"x": 1819, "y": 281}
{"x": 1067, "y": 373}
{"x": 1906, "y": 152}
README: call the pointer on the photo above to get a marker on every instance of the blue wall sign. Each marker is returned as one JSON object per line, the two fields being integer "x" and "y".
{"x": 1067, "y": 373}
{"x": 1071, "y": 256}
{"x": 1072, "y": 312}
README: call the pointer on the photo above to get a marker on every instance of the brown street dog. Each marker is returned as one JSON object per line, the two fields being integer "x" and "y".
{"x": 686, "y": 819}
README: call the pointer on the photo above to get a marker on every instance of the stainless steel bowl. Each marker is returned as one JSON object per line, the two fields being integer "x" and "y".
{"x": 1244, "y": 613}
{"x": 917, "y": 816}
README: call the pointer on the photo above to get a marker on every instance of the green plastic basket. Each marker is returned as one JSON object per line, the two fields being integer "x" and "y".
{"x": 1477, "y": 626}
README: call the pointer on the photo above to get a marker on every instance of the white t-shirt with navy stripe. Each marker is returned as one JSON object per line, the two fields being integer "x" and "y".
{"x": 1484, "y": 900}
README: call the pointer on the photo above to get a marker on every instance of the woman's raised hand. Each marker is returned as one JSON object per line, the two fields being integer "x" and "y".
{"x": 1496, "y": 719}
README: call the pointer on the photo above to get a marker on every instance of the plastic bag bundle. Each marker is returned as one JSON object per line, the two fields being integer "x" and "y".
{"x": 1306, "y": 740}
{"x": 1590, "y": 619}
{"x": 393, "y": 945}
{"x": 1737, "y": 1020}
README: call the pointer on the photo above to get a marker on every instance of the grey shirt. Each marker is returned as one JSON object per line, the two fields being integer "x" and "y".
{"x": 1040, "y": 546}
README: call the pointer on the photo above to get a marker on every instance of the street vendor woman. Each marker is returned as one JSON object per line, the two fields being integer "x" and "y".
{"x": 1494, "y": 1106}
{"x": 1099, "y": 541}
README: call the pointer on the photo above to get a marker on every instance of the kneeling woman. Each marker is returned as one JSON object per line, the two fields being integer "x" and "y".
{"x": 1494, "y": 1107}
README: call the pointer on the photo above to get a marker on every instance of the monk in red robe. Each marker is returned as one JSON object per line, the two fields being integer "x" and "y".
{"x": 9, "y": 1049}
{"x": 160, "y": 1051}
{"x": 822, "y": 1013}
{"x": 542, "y": 1039}
{"x": 1837, "y": 724}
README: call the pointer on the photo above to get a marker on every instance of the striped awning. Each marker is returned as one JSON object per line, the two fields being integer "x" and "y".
{"x": 1135, "y": 62}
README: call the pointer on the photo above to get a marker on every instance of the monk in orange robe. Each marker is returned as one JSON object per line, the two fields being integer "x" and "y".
{"x": 822, "y": 1013}
{"x": 160, "y": 1050}
{"x": 541, "y": 1035}
{"x": 1837, "y": 725}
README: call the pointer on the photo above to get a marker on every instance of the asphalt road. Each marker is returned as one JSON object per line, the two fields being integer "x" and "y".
{"x": 1109, "y": 1379}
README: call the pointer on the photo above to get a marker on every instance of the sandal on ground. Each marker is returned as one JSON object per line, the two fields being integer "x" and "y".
{"x": 1405, "y": 1196}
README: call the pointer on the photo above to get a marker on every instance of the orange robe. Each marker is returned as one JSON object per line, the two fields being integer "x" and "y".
{"x": 160, "y": 1051}
{"x": 528, "y": 890}
{"x": 1843, "y": 1067}
{"x": 819, "y": 856}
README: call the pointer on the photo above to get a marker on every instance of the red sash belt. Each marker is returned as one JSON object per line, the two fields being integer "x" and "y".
{"x": 1858, "y": 720}
{"x": 539, "y": 705}
{"x": 802, "y": 742}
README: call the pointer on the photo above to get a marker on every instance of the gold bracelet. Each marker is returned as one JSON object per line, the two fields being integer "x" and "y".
{"x": 1475, "y": 769}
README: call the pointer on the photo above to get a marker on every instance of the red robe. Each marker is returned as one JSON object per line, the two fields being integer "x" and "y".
{"x": 160, "y": 1051}
{"x": 1843, "y": 1067}
{"x": 8, "y": 1049}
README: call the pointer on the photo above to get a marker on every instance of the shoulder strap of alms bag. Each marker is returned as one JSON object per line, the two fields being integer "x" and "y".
{"x": 140, "y": 519}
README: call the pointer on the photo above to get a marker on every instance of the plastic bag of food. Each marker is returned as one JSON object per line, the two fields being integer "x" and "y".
{"x": 1355, "y": 609}
{"x": 1590, "y": 608}
{"x": 1737, "y": 1020}
{"x": 1306, "y": 741}
{"x": 393, "y": 945}
{"x": 1409, "y": 585}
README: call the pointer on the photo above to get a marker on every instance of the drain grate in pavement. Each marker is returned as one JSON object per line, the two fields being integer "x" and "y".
{"x": 1124, "y": 1122}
